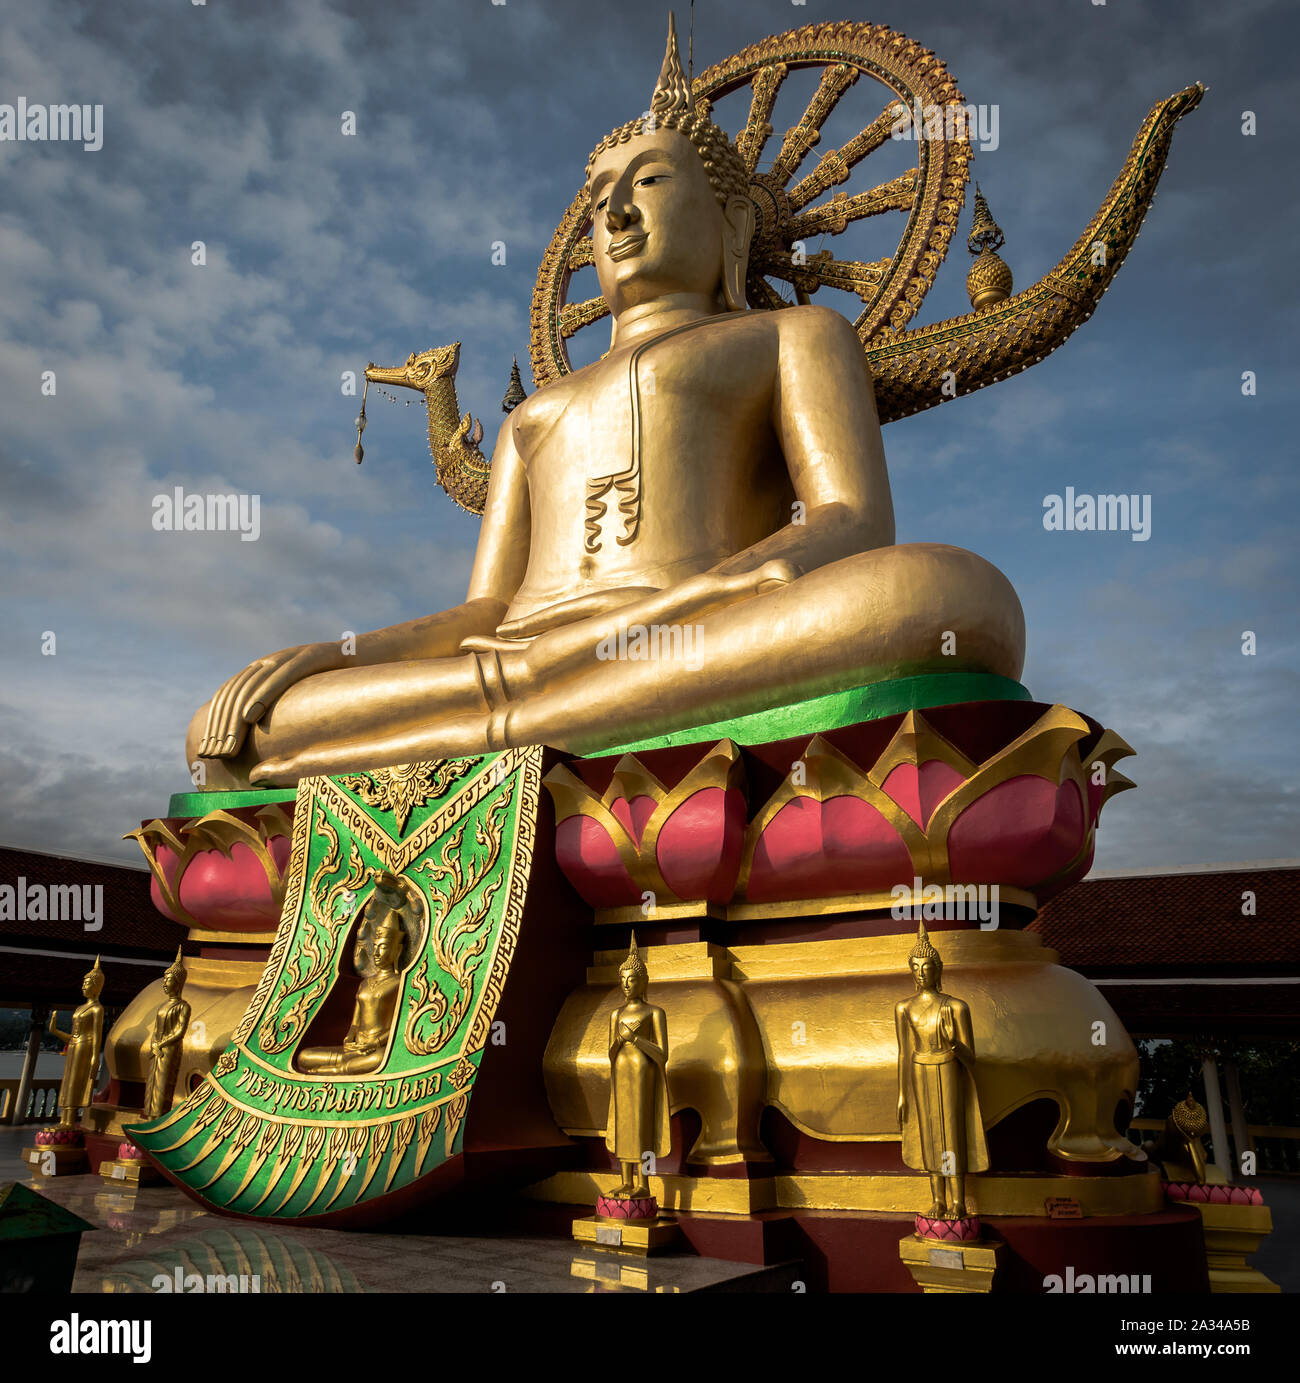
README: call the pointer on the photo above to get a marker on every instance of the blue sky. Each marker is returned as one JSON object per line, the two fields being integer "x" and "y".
{"x": 222, "y": 123}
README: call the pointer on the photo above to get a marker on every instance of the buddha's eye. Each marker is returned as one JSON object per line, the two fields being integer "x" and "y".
{"x": 602, "y": 204}
{"x": 651, "y": 178}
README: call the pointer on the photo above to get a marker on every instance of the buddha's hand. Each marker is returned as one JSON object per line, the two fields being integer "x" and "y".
{"x": 711, "y": 589}
{"x": 248, "y": 695}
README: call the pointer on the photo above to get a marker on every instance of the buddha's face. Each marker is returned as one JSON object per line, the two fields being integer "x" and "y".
{"x": 633, "y": 984}
{"x": 387, "y": 947}
{"x": 657, "y": 227}
{"x": 91, "y": 986}
{"x": 926, "y": 972}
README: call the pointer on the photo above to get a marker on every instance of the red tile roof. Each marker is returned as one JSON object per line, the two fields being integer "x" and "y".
{"x": 131, "y": 925}
{"x": 1183, "y": 924}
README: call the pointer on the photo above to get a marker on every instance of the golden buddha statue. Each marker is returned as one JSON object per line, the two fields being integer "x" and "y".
{"x": 719, "y": 467}
{"x": 379, "y": 962}
{"x": 938, "y": 1104}
{"x": 638, "y": 1087}
{"x": 85, "y": 1042}
{"x": 163, "y": 1049}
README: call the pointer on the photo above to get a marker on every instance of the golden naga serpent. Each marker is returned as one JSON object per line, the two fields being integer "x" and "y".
{"x": 912, "y": 369}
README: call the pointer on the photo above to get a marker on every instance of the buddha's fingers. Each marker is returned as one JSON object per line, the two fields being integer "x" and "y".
{"x": 215, "y": 733}
{"x": 267, "y": 690}
{"x": 229, "y": 730}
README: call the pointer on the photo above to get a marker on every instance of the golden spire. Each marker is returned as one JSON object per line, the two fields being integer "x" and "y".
{"x": 515, "y": 392}
{"x": 989, "y": 281}
{"x": 672, "y": 90}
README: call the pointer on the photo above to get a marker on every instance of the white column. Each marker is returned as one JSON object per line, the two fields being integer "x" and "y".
{"x": 1240, "y": 1133}
{"x": 39, "y": 1015}
{"x": 1222, "y": 1158}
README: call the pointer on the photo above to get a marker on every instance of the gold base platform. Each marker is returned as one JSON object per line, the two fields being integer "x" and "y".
{"x": 950, "y": 1267}
{"x": 628, "y": 1236}
{"x": 134, "y": 1173}
{"x": 1232, "y": 1234}
{"x": 55, "y": 1161}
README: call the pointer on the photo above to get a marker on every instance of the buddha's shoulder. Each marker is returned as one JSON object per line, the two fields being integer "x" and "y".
{"x": 809, "y": 324}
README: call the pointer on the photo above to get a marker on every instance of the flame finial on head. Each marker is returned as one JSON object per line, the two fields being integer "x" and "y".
{"x": 672, "y": 90}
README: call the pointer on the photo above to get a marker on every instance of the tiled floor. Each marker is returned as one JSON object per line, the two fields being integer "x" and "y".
{"x": 145, "y": 1235}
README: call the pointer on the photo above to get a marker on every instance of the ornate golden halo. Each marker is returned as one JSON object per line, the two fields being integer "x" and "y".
{"x": 932, "y": 193}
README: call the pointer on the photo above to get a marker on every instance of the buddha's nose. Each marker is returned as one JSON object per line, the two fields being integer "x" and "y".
{"x": 618, "y": 215}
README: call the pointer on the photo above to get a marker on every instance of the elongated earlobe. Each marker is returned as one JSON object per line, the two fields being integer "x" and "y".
{"x": 739, "y": 214}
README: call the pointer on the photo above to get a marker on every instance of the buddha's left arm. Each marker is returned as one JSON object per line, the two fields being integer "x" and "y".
{"x": 964, "y": 1033}
{"x": 824, "y": 416}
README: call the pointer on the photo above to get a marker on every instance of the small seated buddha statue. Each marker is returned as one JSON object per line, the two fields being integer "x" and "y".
{"x": 719, "y": 467}
{"x": 938, "y": 1104}
{"x": 366, "y": 1042}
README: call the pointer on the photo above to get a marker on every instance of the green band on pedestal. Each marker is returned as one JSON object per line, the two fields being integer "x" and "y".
{"x": 837, "y": 709}
{"x": 200, "y": 803}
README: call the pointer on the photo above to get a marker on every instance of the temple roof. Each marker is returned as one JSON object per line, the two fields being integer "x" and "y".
{"x": 44, "y": 958}
{"x": 1184, "y": 923}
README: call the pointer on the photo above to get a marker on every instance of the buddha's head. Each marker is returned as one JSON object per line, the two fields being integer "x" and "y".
{"x": 925, "y": 962}
{"x": 174, "y": 976}
{"x": 632, "y": 974}
{"x": 386, "y": 946}
{"x": 93, "y": 984}
{"x": 669, "y": 202}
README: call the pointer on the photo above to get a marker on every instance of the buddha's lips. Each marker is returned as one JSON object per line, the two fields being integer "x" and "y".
{"x": 627, "y": 246}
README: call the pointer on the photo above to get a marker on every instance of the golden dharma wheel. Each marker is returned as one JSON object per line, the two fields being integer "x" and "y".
{"x": 788, "y": 209}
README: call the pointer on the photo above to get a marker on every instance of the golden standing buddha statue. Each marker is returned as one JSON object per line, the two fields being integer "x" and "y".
{"x": 85, "y": 1042}
{"x": 938, "y": 1104}
{"x": 718, "y": 466}
{"x": 170, "y": 1025}
{"x": 376, "y": 1005}
{"x": 638, "y": 1088}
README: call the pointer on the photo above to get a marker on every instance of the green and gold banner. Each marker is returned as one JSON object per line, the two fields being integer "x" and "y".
{"x": 350, "y": 1076}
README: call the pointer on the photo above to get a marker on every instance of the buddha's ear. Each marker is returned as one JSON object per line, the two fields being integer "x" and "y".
{"x": 739, "y": 232}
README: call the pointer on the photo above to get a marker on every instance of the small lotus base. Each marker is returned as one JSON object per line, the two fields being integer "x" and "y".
{"x": 962, "y": 1231}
